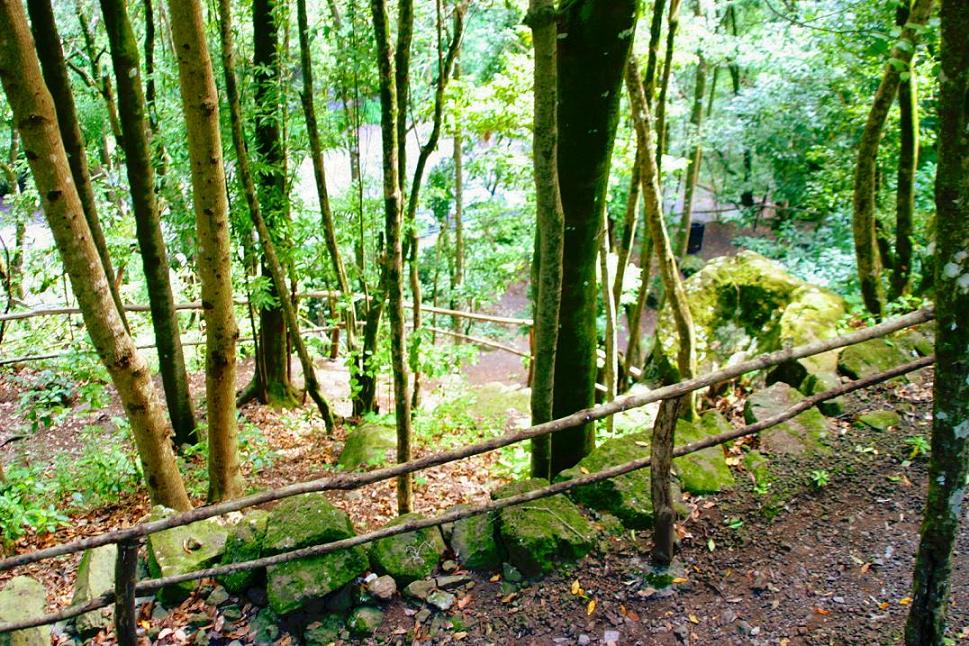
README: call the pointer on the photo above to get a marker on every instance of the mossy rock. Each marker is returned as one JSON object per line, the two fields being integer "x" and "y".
{"x": 806, "y": 433}
{"x": 23, "y": 598}
{"x": 745, "y": 305}
{"x": 691, "y": 265}
{"x": 365, "y": 620}
{"x": 880, "y": 420}
{"x": 819, "y": 383}
{"x": 758, "y": 466}
{"x": 874, "y": 356}
{"x": 497, "y": 403}
{"x": 473, "y": 541}
{"x": 244, "y": 543}
{"x": 95, "y": 576}
{"x": 183, "y": 549}
{"x": 541, "y": 534}
{"x": 325, "y": 631}
{"x": 705, "y": 471}
{"x": 626, "y": 497}
{"x": 408, "y": 557}
{"x": 368, "y": 445}
{"x": 303, "y": 521}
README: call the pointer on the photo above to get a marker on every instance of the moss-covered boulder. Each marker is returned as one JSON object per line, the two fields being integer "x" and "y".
{"x": 95, "y": 576}
{"x": 880, "y": 420}
{"x": 23, "y": 598}
{"x": 745, "y": 305}
{"x": 705, "y": 471}
{"x": 244, "y": 543}
{"x": 874, "y": 356}
{"x": 757, "y": 465}
{"x": 324, "y": 632}
{"x": 368, "y": 445}
{"x": 408, "y": 557}
{"x": 473, "y": 541}
{"x": 365, "y": 620}
{"x": 806, "y": 433}
{"x": 819, "y": 383}
{"x": 626, "y": 497}
{"x": 541, "y": 534}
{"x": 183, "y": 549}
{"x": 304, "y": 521}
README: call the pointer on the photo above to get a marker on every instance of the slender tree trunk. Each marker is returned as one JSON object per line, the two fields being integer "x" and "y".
{"x": 593, "y": 45}
{"x": 695, "y": 159}
{"x": 141, "y": 179}
{"x": 458, "y": 155}
{"x": 634, "y": 353}
{"x": 863, "y": 222}
{"x": 54, "y": 68}
{"x": 249, "y": 189}
{"x": 100, "y": 80}
{"x": 673, "y": 23}
{"x": 549, "y": 223}
{"x": 200, "y": 105}
{"x": 393, "y": 254}
{"x": 33, "y": 110}
{"x": 630, "y": 223}
{"x": 15, "y": 263}
{"x": 908, "y": 160}
{"x": 949, "y": 462}
{"x": 652, "y": 57}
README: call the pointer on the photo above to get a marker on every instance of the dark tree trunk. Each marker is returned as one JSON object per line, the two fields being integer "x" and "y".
{"x": 908, "y": 159}
{"x": 594, "y": 40}
{"x": 949, "y": 463}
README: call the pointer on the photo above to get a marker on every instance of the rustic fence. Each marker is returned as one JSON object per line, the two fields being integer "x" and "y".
{"x": 129, "y": 539}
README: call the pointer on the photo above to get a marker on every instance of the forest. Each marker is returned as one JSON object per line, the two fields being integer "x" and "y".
{"x": 484, "y": 321}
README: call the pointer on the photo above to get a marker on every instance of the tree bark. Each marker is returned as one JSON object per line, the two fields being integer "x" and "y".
{"x": 949, "y": 462}
{"x": 652, "y": 57}
{"x": 54, "y": 68}
{"x": 594, "y": 40}
{"x": 200, "y": 104}
{"x": 863, "y": 202}
{"x": 549, "y": 221}
{"x": 255, "y": 211}
{"x": 393, "y": 254}
{"x": 908, "y": 160}
{"x": 457, "y": 281}
{"x": 132, "y": 111}
{"x": 696, "y": 150}
{"x": 33, "y": 110}
{"x": 673, "y": 23}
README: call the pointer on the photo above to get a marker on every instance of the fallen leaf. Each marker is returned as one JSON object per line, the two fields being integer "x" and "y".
{"x": 693, "y": 618}
{"x": 577, "y": 589}
{"x": 459, "y": 636}
{"x": 883, "y": 605}
{"x": 508, "y": 598}
{"x": 464, "y": 601}
{"x": 645, "y": 445}
{"x": 633, "y": 616}
{"x": 680, "y": 579}
{"x": 822, "y": 611}
{"x": 646, "y": 592}
{"x": 865, "y": 567}
{"x": 495, "y": 579}
{"x": 589, "y": 609}
{"x": 711, "y": 544}
{"x": 584, "y": 471}
{"x": 904, "y": 601}
{"x": 732, "y": 461}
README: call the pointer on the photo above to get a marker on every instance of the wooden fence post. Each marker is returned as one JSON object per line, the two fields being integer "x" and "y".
{"x": 125, "y": 578}
{"x": 660, "y": 464}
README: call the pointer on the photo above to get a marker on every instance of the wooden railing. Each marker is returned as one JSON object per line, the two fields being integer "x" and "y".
{"x": 128, "y": 540}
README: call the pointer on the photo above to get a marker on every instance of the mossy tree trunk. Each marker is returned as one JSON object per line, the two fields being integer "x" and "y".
{"x": 594, "y": 40}
{"x": 908, "y": 160}
{"x": 673, "y": 24}
{"x": 863, "y": 202}
{"x": 549, "y": 220}
{"x": 54, "y": 68}
{"x": 949, "y": 462}
{"x": 132, "y": 111}
{"x": 35, "y": 116}
{"x": 695, "y": 158}
{"x": 393, "y": 254}
{"x": 249, "y": 190}
{"x": 200, "y": 105}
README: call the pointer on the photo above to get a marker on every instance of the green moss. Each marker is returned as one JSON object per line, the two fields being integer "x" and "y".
{"x": 880, "y": 420}
{"x": 183, "y": 549}
{"x": 408, "y": 557}
{"x": 295, "y": 583}
{"x": 302, "y": 521}
{"x": 808, "y": 432}
{"x": 473, "y": 541}
{"x": 541, "y": 534}
{"x": 365, "y": 620}
{"x": 705, "y": 471}
{"x": 368, "y": 445}
{"x": 872, "y": 357}
{"x": 759, "y": 466}
{"x": 244, "y": 543}
{"x": 324, "y": 632}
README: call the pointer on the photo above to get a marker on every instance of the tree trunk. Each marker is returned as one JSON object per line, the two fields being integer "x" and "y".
{"x": 319, "y": 174}
{"x": 33, "y": 110}
{"x": 549, "y": 219}
{"x": 652, "y": 58}
{"x": 696, "y": 151}
{"x": 949, "y": 462}
{"x": 54, "y": 68}
{"x": 200, "y": 105}
{"x": 908, "y": 160}
{"x": 100, "y": 80}
{"x": 393, "y": 254}
{"x": 863, "y": 222}
{"x": 673, "y": 23}
{"x": 630, "y": 223}
{"x": 255, "y": 211}
{"x": 457, "y": 282}
{"x": 594, "y": 40}
{"x": 154, "y": 257}
{"x": 634, "y": 353}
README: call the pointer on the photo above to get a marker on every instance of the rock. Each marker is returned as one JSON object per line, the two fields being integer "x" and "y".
{"x": 23, "y": 598}
{"x": 705, "y": 471}
{"x": 541, "y": 534}
{"x": 880, "y": 420}
{"x": 368, "y": 445}
{"x": 807, "y": 432}
{"x": 449, "y": 565}
{"x": 232, "y": 613}
{"x": 264, "y": 626}
{"x": 95, "y": 576}
{"x": 874, "y": 356}
{"x": 510, "y": 573}
{"x": 453, "y": 581}
{"x": 343, "y": 599}
{"x": 626, "y": 497}
{"x": 244, "y": 543}
{"x": 742, "y": 306}
{"x": 473, "y": 541}
{"x": 819, "y": 383}
{"x": 812, "y": 315}
{"x": 420, "y": 589}
{"x": 365, "y": 620}
{"x": 218, "y": 596}
{"x": 758, "y": 466}
{"x": 423, "y": 615}
{"x": 441, "y": 600}
{"x": 299, "y": 522}
{"x": 383, "y": 587}
{"x": 183, "y": 549}
{"x": 324, "y": 632}
{"x": 584, "y": 640}
{"x": 408, "y": 557}
{"x": 198, "y": 619}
